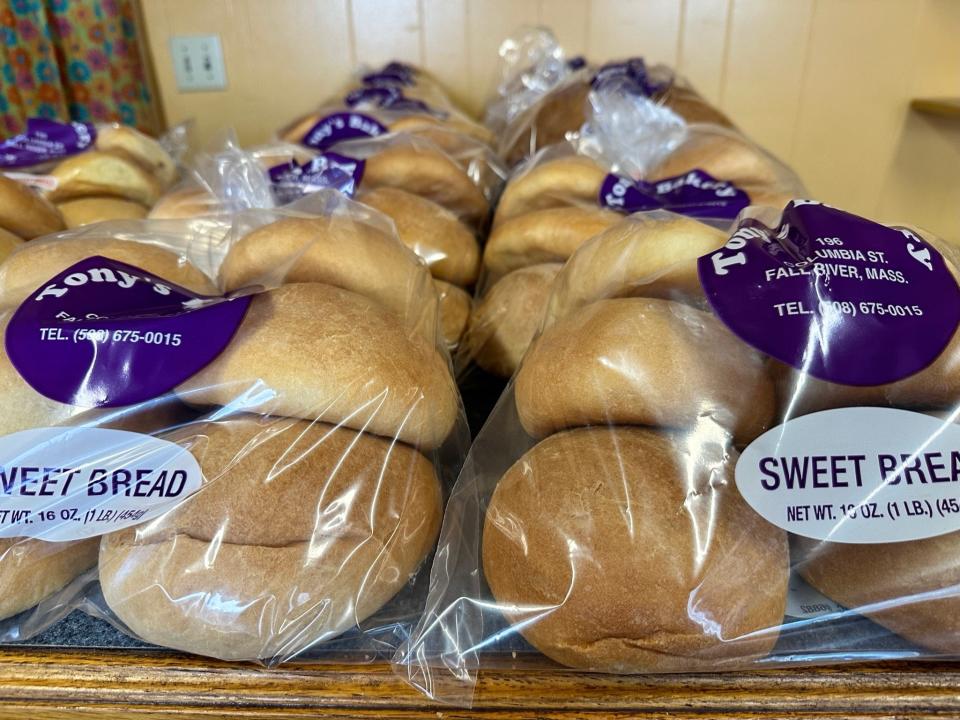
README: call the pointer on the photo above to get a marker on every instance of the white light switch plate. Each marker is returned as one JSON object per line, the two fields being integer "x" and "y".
{"x": 198, "y": 62}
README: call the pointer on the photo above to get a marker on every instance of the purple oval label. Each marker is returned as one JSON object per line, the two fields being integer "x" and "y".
{"x": 695, "y": 194}
{"x": 46, "y": 140}
{"x": 291, "y": 181}
{"x": 837, "y": 296}
{"x": 338, "y": 127}
{"x": 106, "y": 334}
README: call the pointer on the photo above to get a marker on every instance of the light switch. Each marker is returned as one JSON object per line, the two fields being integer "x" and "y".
{"x": 198, "y": 62}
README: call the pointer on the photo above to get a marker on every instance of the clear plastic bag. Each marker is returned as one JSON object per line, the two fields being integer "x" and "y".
{"x": 570, "y": 192}
{"x": 397, "y": 98}
{"x": 558, "y": 113}
{"x": 75, "y": 174}
{"x": 228, "y": 178}
{"x": 532, "y": 63}
{"x": 250, "y": 475}
{"x": 723, "y": 450}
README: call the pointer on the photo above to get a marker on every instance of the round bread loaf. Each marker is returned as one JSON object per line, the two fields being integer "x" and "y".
{"x": 33, "y": 570}
{"x": 731, "y": 157}
{"x": 8, "y": 243}
{"x": 641, "y": 256}
{"x": 909, "y": 587}
{"x": 643, "y": 361}
{"x": 104, "y": 173}
{"x": 543, "y": 236}
{"x": 693, "y": 108}
{"x": 85, "y": 211}
{"x": 350, "y": 519}
{"x": 143, "y": 149}
{"x": 427, "y": 172}
{"x": 565, "y": 181}
{"x": 506, "y": 319}
{"x": 36, "y": 263}
{"x": 340, "y": 251}
{"x": 318, "y": 352}
{"x": 421, "y": 124}
{"x": 187, "y": 202}
{"x": 936, "y": 387}
{"x": 447, "y": 246}
{"x": 561, "y": 111}
{"x": 25, "y": 212}
{"x": 613, "y": 551}
{"x": 455, "y": 306}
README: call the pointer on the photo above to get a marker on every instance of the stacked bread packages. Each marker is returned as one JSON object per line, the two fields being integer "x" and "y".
{"x": 236, "y": 451}
{"x": 602, "y": 142}
{"x": 723, "y": 449}
{"x": 66, "y": 175}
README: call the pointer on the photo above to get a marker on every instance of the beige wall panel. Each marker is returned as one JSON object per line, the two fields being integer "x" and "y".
{"x": 489, "y": 22}
{"x": 621, "y": 28}
{"x": 385, "y": 31}
{"x": 570, "y": 22}
{"x": 766, "y": 52}
{"x": 703, "y": 41}
{"x": 856, "y": 92}
{"x": 445, "y": 42}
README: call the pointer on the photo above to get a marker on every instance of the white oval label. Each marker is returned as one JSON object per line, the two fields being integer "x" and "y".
{"x": 856, "y": 475}
{"x": 60, "y": 484}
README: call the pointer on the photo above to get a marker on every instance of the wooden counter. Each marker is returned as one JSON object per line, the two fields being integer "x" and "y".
{"x": 43, "y": 683}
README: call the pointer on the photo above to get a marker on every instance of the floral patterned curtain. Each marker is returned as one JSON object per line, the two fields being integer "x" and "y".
{"x": 72, "y": 59}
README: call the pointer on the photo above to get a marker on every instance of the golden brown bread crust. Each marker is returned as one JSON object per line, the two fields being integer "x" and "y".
{"x": 217, "y": 576}
{"x": 447, "y": 245}
{"x": 455, "y": 304}
{"x": 339, "y": 251}
{"x": 33, "y": 570}
{"x": 936, "y": 387}
{"x": 8, "y": 243}
{"x": 318, "y": 352}
{"x": 543, "y": 236}
{"x": 26, "y": 213}
{"x": 421, "y": 124}
{"x": 887, "y": 582}
{"x": 104, "y": 173}
{"x": 643, "y": 361}
{"x": 505, "y": 320}
{"x": 641, "y": 256}
{"x": 188, "y": 202}
{"x": 146, "y": 151}
{"x": 35, "y": 263}
{"x": 563, "y": 110}
{"x": 632, "y": 560}
{"x": 85, "y": 211}
{"x": 693, "y": 108}
{"x": 429, "y": 173}
{"x": 730, "y": 157}
{"x": 555, "y": 183}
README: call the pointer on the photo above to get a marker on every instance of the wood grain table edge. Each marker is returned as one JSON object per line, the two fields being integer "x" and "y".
{"x": 147, "y": 684}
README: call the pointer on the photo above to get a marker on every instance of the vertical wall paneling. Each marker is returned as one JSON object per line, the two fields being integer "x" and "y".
{"x": 445, "y": 43}
{"x": 569, "y": 20}
{"x": 384, "y": 31}
{"x": 855, "y": 96}
{"x": 703, "y": 45}
{"x": 621, "y": 28}
{"x": 766, "y": 52}
{"x": 490, "y": 21}
{"x": 290, "y": 29}
{"x": 824, "y": 84}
